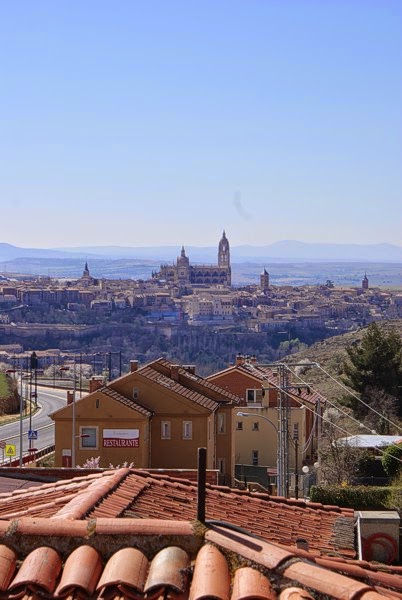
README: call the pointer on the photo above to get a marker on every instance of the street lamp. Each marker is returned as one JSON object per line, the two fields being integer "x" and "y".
{"x": 306, "y": 471}
{"x": 279, "y": 465}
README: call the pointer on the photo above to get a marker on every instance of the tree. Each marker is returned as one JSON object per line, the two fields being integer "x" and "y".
{"x": 374, "y": 365}
{"x": 392, "y": 459}
{"x": 338, "y": 460}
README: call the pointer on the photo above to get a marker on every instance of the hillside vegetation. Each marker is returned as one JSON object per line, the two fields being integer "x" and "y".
{"x": 9, "y": 399}
{"x": 330, "y": 354}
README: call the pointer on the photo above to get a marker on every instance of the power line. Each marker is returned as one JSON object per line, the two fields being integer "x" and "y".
{"x": 357, "y": 397}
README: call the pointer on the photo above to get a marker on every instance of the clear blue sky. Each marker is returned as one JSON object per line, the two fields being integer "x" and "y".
{"x": 163, "y": 122}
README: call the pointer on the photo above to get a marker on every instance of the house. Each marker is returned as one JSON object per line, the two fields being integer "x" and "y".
{"x": 126, "y": 533}
{"x": 156, "y": 416}
{"x": 263, "y": 391}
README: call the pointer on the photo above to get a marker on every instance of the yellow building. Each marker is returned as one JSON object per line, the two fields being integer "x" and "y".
{"x": 256, "y": 435}
{"x": 156, "y": 416}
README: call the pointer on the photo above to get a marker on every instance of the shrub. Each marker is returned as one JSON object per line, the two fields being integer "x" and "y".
{"x": 392, "y": 459}
{"x": 357, "y": 497}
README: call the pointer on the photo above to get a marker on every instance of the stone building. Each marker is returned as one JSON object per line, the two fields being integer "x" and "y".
{"x": 183, "y": 273}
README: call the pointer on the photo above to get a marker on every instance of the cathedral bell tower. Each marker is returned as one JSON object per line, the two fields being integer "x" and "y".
{"x": 183, "y": 267}
{"x": 224, "y": 252}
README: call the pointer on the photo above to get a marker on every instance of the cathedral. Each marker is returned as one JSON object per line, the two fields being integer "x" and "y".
{"x": 182, "y": 273}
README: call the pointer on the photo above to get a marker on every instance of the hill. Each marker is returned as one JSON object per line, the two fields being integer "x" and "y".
{"x": 330, "y": 354}
{"x": 283, "y": 251}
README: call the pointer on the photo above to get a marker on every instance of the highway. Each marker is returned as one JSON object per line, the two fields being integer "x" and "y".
{"x": 49, "y": 400}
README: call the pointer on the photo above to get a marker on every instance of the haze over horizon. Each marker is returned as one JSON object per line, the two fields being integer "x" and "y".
{"x": 154, "y": 123}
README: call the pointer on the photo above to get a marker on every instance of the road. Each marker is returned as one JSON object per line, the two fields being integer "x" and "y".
{"x": 49, "y": 400}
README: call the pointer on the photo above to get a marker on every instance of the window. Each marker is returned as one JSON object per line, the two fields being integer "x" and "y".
{"x": 255, "y": 458}
{"x": 295, "y": 431}
{"x": 165, "y": 430}
{"x": 239, "y": 425}
{"x": 88, "y": 437}
{"x": 187, "y": 430}
{"x": 135, "y": 393}
{"x": 254, "y": 396}
{"x": 221, "y": 465}
{"x": 251, "y": 396}
{"x": 221, "y": 423}
{"x": 256, "y": 426}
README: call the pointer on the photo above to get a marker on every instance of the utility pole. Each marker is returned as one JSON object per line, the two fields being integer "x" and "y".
{"x": 296, "y": 442}
{"x": 73, "y": 420}
{"x": 21, "y": 411}
{"x": 283, "y": 389}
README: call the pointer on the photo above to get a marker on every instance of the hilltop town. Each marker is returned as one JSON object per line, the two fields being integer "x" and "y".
{"x": 185, "y": 304}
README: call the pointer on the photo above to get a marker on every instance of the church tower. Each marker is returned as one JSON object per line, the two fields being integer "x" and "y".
{"x": 224, "y": 252}
{"x": 85, "y": 272}
{"x": 264, "y": 280}
{"x": 365, "y": 282}
{"x": 183, "y": 267}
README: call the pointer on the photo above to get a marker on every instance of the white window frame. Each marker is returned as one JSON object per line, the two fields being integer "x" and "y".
{"x": 187, "y": 430}
{"x": 166, "y": 433}
{"x": 254, "y": 400}
{"x": 85, "y": 442}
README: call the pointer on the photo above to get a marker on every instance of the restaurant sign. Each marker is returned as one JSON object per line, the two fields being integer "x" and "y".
{"x": 121, "y": 438}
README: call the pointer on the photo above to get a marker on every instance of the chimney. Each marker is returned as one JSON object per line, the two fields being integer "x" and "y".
{"x": 239, "y": 360}
{"x": 133, "y": 366}
{"x": 95, "y": 383}
{"x": 253, "y": 359}
{"x": 70, "y": 397}
{"x": 189, "y": 368}
{"x": 174, "y": 372}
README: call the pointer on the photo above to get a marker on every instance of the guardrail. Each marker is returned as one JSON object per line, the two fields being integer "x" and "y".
{"x": 28, "y": 458}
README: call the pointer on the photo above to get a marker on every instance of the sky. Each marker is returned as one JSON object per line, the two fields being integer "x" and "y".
{"x": 142, "y": 123}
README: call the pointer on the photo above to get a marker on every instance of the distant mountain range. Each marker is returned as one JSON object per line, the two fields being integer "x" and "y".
{"x": 288, "y": 250}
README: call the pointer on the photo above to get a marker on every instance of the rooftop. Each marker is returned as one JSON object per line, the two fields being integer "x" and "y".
{"x": 103, "y": 535}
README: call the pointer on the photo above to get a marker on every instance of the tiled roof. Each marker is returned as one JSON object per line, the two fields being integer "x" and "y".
{"x": 178, "y": 388}
{"x": 196, "y": 382}
{"x": 47, "y": 499}
{"x": 270, "y": 375}
{"x": 130, "y": 493}
{"x": 326, "y": 529}
{"x": 119, "y": 559}
{"x": 108, "y": 391}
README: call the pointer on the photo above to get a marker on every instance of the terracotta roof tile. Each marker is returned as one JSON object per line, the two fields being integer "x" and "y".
{"x": 138, "y": 494}
{"x": 149, "y": 373}
{"x": 38, "y": 572}
{"x": 227, "y": 564}
{"x": 82, "y": 571}
{"x": 211, "y": 577}
{"x": 249, "y": 583}
{"x": 196, "y": 383}
{"x": 168, "y": 571}
{"x": 8, "y": 559}
{"x": 128, "y": 567}
{"x": 293, "y": 593}
{"x": 332, "y": 584}
{"x": 112, "y": 393}
{"x": 97, "y": 491}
